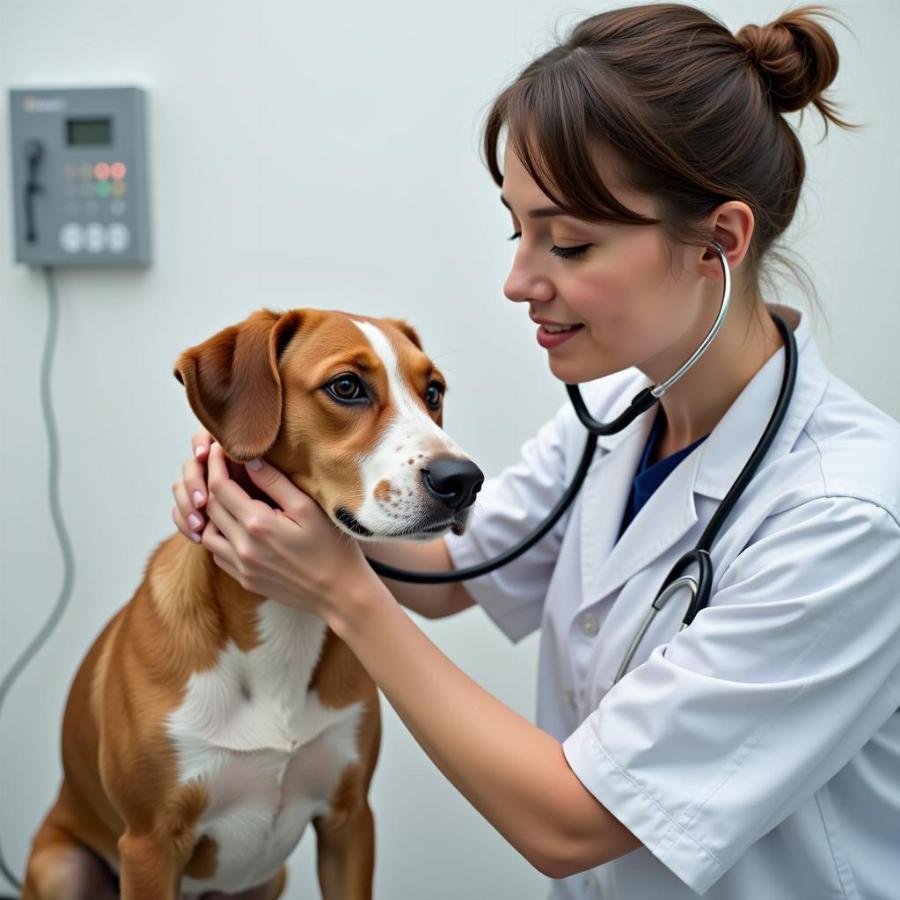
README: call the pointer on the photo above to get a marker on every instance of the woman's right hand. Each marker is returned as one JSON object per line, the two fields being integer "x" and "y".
{"x": 191, "y": 492}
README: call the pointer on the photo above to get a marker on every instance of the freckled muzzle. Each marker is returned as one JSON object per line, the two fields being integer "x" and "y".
{"x": 451, "y": 483}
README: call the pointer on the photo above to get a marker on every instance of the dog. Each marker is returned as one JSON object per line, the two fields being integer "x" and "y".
{"x": 207, "y": 725}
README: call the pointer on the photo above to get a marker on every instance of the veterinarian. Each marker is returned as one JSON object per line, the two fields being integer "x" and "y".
{"x": 756, "y": 752}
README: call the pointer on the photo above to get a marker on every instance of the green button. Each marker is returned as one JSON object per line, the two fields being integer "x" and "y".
{"x": 103, "y": 188}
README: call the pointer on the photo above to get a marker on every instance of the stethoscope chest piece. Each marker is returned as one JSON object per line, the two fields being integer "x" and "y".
{"x": 697, "y": 587}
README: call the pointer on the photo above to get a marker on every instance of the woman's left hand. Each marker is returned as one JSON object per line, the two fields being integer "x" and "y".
{"x": 295, "y": 554}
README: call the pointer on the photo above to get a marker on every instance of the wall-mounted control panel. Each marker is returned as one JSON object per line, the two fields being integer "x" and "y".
{"x": 79, "y": 159}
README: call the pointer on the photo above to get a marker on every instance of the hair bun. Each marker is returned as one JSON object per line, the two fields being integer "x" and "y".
{"x": 795, "y": 56}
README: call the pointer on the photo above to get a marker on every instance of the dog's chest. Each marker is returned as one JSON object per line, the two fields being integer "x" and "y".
{"x": 267, "y": 751}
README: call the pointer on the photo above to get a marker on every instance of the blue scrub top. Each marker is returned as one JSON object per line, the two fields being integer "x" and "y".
{"x": 648, "y": 479}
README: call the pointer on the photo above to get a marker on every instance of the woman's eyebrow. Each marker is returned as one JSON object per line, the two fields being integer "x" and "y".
{"x": 543, "y": 212}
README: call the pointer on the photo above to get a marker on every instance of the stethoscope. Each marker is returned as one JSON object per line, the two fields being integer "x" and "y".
{"x": 699, "y": 586}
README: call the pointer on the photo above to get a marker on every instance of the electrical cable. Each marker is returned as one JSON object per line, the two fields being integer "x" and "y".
{"x": 56, "y": 513}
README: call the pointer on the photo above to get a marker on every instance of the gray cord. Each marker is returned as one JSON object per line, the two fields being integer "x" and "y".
{"x": 56, "y": 512}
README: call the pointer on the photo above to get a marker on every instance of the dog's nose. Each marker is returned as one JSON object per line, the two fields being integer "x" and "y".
{"x": 454, "y": 482}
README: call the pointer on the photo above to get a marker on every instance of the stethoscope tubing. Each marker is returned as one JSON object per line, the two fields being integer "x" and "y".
{"x": 711, "y": 532}
{"x": 508, "y": 555}
{"x": 700, "y": 586}
{"x": 642, "y": 401}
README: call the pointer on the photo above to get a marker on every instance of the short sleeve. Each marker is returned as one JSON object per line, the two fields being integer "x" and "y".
{"x": 721, "y": 734}
{"x": 509, "y": 507}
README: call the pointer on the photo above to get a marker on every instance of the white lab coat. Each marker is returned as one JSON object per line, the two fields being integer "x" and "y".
{"x": 756, "y": 753}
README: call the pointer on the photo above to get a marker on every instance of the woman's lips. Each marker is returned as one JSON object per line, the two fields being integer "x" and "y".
{"x": 549, "y": 340}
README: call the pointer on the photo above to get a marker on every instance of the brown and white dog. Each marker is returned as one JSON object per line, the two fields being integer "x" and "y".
{"x": 207, "y": 726}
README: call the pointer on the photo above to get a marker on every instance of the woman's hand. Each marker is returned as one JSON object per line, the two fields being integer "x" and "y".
{"x": 295, "y": 554}
{"x": 190, "y": 493}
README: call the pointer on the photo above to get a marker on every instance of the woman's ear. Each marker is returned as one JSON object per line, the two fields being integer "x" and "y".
{"x": 233, "y": 384}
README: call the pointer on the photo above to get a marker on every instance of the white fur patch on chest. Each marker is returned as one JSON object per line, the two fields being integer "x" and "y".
{"x": 267, "y": 751}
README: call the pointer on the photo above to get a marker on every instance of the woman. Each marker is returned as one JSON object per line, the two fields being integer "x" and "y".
{"x": 757, "y": 752}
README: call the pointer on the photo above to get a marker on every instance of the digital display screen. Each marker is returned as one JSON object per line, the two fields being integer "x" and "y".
{"x": 81, "y": 132}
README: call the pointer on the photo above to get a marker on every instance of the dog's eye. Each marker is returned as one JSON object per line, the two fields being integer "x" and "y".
{"x": 434, "y": 394}
{"x": 347, "y": 388}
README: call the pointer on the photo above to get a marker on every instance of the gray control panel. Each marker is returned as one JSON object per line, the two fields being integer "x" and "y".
{"x": 79, "y": 158}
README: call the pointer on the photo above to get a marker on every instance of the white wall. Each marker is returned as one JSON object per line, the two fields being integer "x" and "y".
{"x": 327, "y": 155}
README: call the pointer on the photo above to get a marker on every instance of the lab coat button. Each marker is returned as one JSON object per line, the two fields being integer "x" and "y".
{"x": 589, "y": 625}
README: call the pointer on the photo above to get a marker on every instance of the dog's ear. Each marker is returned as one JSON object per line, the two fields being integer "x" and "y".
{"x": 233, "y": 384}
{"x": 407, "y": 329}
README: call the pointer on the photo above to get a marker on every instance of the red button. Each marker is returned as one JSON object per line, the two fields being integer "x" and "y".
{"x": 101, "y": 171}
{"x": 118, "y": 170}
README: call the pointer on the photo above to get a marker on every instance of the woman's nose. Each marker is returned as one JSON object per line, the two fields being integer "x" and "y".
{"x": 525, "y": 282}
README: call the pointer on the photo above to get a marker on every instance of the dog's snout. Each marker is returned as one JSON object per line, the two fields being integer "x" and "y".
{"x": 453, "y": 481}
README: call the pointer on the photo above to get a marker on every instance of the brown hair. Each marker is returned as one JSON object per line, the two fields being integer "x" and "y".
{"x": 691, "y": 113}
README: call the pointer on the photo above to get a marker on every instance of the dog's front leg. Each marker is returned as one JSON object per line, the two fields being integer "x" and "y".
{"x": 149, "y": 869}
{"x": 346, "y": 853}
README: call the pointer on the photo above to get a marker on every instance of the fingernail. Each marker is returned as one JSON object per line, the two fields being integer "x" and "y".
{"x": 198, "y": 451}
{"x": 194, "y": 520}
{"x": 255, "y": 464}
{"x": 198, "y": 498}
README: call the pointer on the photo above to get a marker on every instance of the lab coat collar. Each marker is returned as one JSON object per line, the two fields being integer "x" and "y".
{"x": 709, "y": 470}
{"x": 723, "y": 454}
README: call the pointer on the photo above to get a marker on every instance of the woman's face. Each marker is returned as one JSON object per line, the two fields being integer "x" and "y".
{"x": 632, "y": 311}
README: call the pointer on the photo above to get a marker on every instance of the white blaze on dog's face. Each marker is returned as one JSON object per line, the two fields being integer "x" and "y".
{"x": 361, "y": 430}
